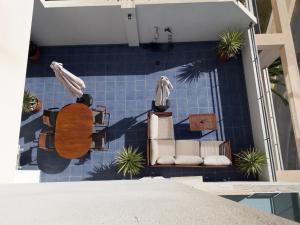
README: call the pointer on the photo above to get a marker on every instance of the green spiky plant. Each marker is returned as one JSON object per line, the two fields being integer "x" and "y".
{"x": 251, "y": 161}
{"x": 230, "y": 44}
{"x": 129, "y": 161}
{"x": 276, "y": 79}
{"x": 29, "y": 102}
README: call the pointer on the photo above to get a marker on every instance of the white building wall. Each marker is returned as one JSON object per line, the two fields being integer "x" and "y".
{"x": 189, "y": 21}
{"x": 255, "y": 104}
{"x": 15, "y": 23}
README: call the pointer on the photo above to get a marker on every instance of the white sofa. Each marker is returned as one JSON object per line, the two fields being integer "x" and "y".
{"x": 164, "y": 150}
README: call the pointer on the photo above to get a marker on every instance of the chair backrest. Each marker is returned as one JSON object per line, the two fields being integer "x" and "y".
{"x": 46, "y": 141}
{"x": 99, "y": 140}
{"x": 49, "y": 117}
{"x": 98, "y": 117}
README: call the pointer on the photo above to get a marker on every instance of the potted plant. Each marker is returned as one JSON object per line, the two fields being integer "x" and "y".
{"x": 251, "y": 161}
{"x": 277, "y": 80}
{"x": 129, "y": 161}
{"x": 31, "y": 103}
{"x": 230, "y": 44}
{"x": 34, "y": 52}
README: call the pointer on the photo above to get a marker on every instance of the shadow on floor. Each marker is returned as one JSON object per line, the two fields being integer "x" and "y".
{"x": 105, "y": 172}
{"x": 26, "y": 157}
{"x": 51, "y": 162}
{"x": 190, "y": 73}
{"x": 28, "y": 130}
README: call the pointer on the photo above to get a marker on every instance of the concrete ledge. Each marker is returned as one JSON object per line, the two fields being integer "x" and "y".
{"x": 288, "y": 176}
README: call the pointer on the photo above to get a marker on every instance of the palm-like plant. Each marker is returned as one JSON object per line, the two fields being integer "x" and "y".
{"x": 29, "y": 102}
{"x": 230, "y": 43}
{"x": 251, "y": 161}
{"x": 276, "y": 77}
{"x": 129, "y": 161}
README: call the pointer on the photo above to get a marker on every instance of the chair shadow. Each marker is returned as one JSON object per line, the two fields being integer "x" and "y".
{"x": 50, "y": 162}
{"x": 28, "y": 130}
{"x": 26, "y": 157}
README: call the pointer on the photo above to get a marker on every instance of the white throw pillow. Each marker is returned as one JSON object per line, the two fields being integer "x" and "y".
{"x": 188, "y": 160}
{"x": 153, "y": 126}
{"x": 165, "y": 160}
{"x": 217, "y": 160}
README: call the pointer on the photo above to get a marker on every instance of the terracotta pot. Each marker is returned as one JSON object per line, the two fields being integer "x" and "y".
{"x": 223, "y": 58}
{"x": 36, "y": 56}
{"x": 38, "y": 107}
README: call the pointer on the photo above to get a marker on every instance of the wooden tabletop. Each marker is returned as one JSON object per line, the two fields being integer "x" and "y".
{"x": 199, "y": 122}
{"x": 73, "y": 132}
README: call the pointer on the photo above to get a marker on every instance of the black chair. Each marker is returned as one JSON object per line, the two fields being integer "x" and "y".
{"x": 101, "y": 116}
{"x": 99, "y": 141}
{"x": 46, "y": 141}
{"x": 86, "y": 99}
{"x": 49, "y": 117}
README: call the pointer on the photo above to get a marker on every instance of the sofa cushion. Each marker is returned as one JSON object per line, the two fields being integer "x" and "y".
{"x": 220, "y": 160}
{"x": 165, "y": 160}
{"x": 187, "y": 147}
{"x": 210, "y": 148}
{"x": 165, "y": 128}
{"x": 153, "y": 126}
{"x": 188, "y": 160}
{"x": 160, "y": 148}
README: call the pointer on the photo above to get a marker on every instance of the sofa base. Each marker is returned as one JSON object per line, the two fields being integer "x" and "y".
{"x": 188, "y": 166}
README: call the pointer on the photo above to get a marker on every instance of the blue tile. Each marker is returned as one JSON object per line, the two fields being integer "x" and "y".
{"x": 124, "y": 79}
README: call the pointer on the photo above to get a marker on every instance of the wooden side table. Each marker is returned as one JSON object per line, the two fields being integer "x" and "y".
{"x": 199, "y": 122}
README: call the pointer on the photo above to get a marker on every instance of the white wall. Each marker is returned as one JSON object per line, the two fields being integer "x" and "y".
{"x": 153, "y": 202}
{"x": 189, "y": 20}
{"x": 255, "y": 104}
{"x": 78, "y": 25}
{"x": 203, "y": 21}
{"x": 15, "y": 22}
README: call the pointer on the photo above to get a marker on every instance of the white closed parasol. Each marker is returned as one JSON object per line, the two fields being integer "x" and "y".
{"x": 71, "y": 82}
{"x": 162, "y": 91}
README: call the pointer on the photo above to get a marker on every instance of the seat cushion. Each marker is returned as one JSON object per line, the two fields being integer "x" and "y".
{"x": 210, "y": 148}
{"x": 160, "y": 148}
{"x": 153, "y": 126}
{"x": 188, "y": 160}
{"x": 187, "y": 147}
{"x": 165, "y": 128}
{"x": 220, "y": 160}
{"x": 165, "y": 160}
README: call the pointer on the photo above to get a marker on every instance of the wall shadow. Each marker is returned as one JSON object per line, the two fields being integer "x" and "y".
{"x": 28, "y": 130}
{"x": 97, "y": 60}
{"x": 233, "y": 103}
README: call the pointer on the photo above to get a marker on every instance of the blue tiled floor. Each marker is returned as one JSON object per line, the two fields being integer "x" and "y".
{"x": 123, "y": 79}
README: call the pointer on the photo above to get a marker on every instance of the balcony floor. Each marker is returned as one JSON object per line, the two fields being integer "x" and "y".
{"x": 123, "y": 79}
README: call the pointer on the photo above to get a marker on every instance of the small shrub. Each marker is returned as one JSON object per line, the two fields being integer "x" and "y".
{"x": 230, "y": 44}
{"x": 251, "y": 162}
{"x": 129, "y": 161}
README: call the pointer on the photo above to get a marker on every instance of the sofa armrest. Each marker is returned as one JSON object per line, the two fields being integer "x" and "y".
{"x": 227, "y": 149}
{"x": 160, "y": 114}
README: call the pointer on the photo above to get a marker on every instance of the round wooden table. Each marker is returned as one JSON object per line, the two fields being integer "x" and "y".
{"x": 73, "y": 131}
